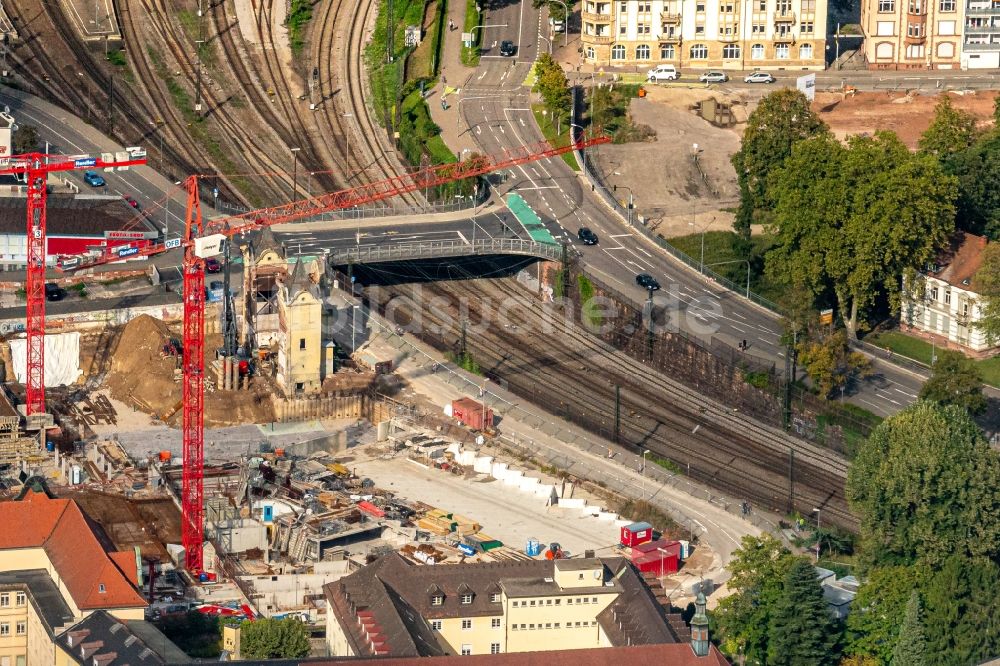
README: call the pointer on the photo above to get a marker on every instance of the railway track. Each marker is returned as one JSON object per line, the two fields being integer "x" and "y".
{"x": 572, "y": 374}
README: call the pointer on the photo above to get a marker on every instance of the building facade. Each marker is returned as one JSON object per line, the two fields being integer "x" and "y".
{"x": 703, "y": 34}
{"x": 931, "y": 34}
{"x": 941, "y": 304}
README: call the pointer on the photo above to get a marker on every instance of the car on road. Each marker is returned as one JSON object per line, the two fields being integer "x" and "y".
{"x": 714, "y": 77}
{"x": 558, "y": 25}
{"x": 508, "y": 48}
{"x": 54, "y": 292}
{"x": 760, "y": 77}
{"x": 662, "y": 73}
{"x": 131, "y": 201}
{"x": 213, "y": 265}
{"x": 647, "y": 281}
{"x": 586, "y": 236}
{"x": 93, "y": 179}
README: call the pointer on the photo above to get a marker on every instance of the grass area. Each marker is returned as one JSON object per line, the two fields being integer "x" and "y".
{"x": 190, "y": 23}
{"x": 470, "y": 54}
{"x": 299, "y": 15}
{"x": 643, "y": 511}
{"x": 666, "y": 464}
{"x": 467, "y": 363}
{"x": 387, "y": 78}
{"x": 549, "y": 132}
{"x": 117, "y": 58}
{"x": 607, "y": 110}
{"x": 920, "y": 350}
{"x": 719, "y": 249}
{"x": 591, "y": 314}
{"x": 423, "y": 61}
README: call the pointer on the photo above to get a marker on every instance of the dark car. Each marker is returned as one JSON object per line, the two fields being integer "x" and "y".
{"x": 507, "y": 48}
{"x": 647, "y": 281}
{"x": 586, "y": 236}
{"x": 54, "y": 292}
{"x": 213, "y": 266}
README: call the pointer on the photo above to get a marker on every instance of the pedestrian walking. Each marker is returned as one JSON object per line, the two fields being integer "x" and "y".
{"x": 451, "y": 25}
{"x": 444, "y": 81}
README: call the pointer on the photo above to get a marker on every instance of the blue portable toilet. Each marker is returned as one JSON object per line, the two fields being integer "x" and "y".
{"x": 268, "y": 513}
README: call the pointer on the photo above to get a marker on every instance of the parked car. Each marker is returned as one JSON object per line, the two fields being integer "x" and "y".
{"x": 54, "y": 292}
{"x": 586, "y": 236}
{"x": 213, "y": 265}
{"x": 93, "y": 179}
{"x": 647, "y": 281}
{"x": 558, "y": 25}
{"x": 663, "y": 73}
{"x": 508, "y": 48}
{"x": 714, "y": 77}
{"x": 760, "y": 77}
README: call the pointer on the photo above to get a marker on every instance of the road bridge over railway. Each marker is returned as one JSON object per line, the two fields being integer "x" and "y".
{"x": 442, "y": 249}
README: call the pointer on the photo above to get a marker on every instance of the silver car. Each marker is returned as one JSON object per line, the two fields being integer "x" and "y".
{"x": 713, "y": 77}
{"x": 760, "y": 77}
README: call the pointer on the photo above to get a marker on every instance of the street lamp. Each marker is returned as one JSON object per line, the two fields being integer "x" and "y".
{"x": 547, "y": 41}
{"x": 630, "y": 198}
{"x": 694, "y": 218}
{"x": 735, "y": 261}
{"x": 645, "y": 452}
{"x": 817, "y": 512}
{"x": 295, "y": 171}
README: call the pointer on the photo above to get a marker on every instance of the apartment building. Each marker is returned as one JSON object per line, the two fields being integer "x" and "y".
{"x": 931, "y": 34}
{"x": 396, "y": 608}
{"x": 64, "y": 597}
{"x": 942, "y": 305}
{"x": 706, "y": 34}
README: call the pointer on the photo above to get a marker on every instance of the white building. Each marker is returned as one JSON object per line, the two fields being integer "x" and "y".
{"x": 942, "y": 306}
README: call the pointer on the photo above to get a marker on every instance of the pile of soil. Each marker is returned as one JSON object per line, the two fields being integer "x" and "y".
{"x": 141, "y": 376}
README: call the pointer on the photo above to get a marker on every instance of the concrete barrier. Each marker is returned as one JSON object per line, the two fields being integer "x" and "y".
{"x": 544, "y": 490}
{"x": 499, "y": 471}
{"x": 514, "y": 477}
{"x": 572, "y": 503}
{"x": 590, "y": 510}
{"x": 607, "y": 515}
{"x": 528, "y": 483}
{"x": 483, "y": 464}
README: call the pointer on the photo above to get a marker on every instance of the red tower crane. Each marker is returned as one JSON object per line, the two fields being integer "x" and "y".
{"x": 36, "y": 168}
{"x": 203, "y": 238}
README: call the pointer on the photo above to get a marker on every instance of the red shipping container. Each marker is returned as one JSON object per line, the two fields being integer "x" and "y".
{"x": 636, "y": 533}
{"x": 371, "y": 509}
{"x": 470, "y": 412}
{"x": 659, "y": 562}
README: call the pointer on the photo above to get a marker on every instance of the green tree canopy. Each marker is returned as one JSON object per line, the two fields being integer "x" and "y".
{"x": 962, "y": 602}
{"x": 779, "y": 121}
{"x": 986, "y": 283}
{"x": 758, "y": 567}
{"x": 978, "y": 171}
{"x": 552, "y": 84}
{"x": 25, "y": 140}
{"x": 802, "y": 631}
{"x": 831, "y": 364}
{"x": 911, "y": 648}
{"x": 955, "y": 380}
{"x": 877, "y": 611}
{"x": 952, "y": 130}
{"x": 850, "y": 220}
{"x": 274, "y": 639}
{"x": 925, "y": 484}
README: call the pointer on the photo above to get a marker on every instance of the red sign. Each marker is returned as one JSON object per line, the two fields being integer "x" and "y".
{"x": 125, "y": 235}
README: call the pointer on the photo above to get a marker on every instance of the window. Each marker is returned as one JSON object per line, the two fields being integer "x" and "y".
{"x": 757, "y": 52}
{"x": 466, "y": 624}
{"x": 516, "y": 604}
{"x": 548, "y": 602}
{"x": 642, "y": 52}
{"x": 781, "y": 51}
{"x": 915, "y": 51}
{"x": 494, "y": 648}
{"x": 699, "y": 52}
{"x": 4, "y": 628}
{"x": 548, "y": 625}
{"x": 466, "y": 649}
{"x": 731, "y": 51}
{"x": 558, "y": 601}
{"x": 645, "y": 7}
{"x": 623, "y": 7}
{"x": 726, "y": 8}
{"x": 22, "y": 627}
{"x": 887, "y": 5}
{"x": 934, "y": 293}
{"x": 667, "y": 52}
{"x": 21, "y": 599}
{"x": 758, "y": 29}
{"x": 700, "y": 7}
{"x": 495, "y": 623}
{"x": 590, "y": 53}
{"x": 579, "y": 576}
{"x": 465, "y": 599}
{"x": 618, "y": 52}
{"x": 914, "y": 29}
{"x": 946, "y": 50}
{"x": 522, "y": 627}
{"x": 532, "y": 602}
{"x": 947, "y": 297}
{"x": 557, "y": 625}
{"x": 437, "y": 600}
{"x": 883, "y": 50}
{"x": 494, "y": 597}
{"x": 808, "y": 6}
{"x": 531, "y": 627}
{"x": 782, "y": 30}
{"x": 915, "y": 7}
{"x": 578, "y": 624}
{"x": 806, "y": 52}
{"x": 807, "y": 27}
{"x": 594, "y": 600}
{"x": 762, "y": 6}
{"x": 946, "y": 28}
{"x": 569, "y": 601}
{"x": 947, "y": 5}
{"x": 436, "y": 625}
{"x": 302, "y": 343}
{"x": 622, "y": 29}
{"x": 699, "y": 30}
{"x": 513, "y": 627}
{"x": 4, "y": 600}
{"x": 965, "y": 309}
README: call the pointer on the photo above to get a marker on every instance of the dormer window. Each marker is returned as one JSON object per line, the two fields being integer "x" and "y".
{"x": 495, "y": 598}
{"x": 466, "y": 598}
{"x": 100, "y": 588}
{"x": 437, "y": 600}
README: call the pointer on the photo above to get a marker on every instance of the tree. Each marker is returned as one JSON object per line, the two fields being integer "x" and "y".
{"x": 552, "y": 84}
{"x": 978, "y": 171}
{"x": 924, "y": 484}
{"x": 25, "y": 140}
{"x": 962, "y": 612}
{"x": 556, "y": 10}
{"x": 831, "y": 364}
{"x": 877, "y": 612}
{"x": 911, "y": 649}
{"x": 779, "y": 121}
{"x": 758, "y": 567}
{"x": 955, "y": 380}
{"x": 802, "y": 632}
{"x": 951, "y": 131}
{"x": 986, "y": 283}
{"x": 274, "y": 639}
{"x": 850, "y": 220}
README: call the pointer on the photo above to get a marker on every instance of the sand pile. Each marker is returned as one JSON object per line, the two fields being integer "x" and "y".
{"x": 140, "y": 375}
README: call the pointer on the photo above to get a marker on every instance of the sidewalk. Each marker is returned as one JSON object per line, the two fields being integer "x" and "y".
{"x": 453, "y": 74}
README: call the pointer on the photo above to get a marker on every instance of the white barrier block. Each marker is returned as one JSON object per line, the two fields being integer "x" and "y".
{"x": 572, "y": 502}
{"x": 483, "y": 464}
{"x": 528, "y": 483}
{"x": 514, "y": 477}
{"x": 544, "y": 491}
{"x": 591, "y": 510}
{"x": 499, "y": 471}
{"x": 607, "y": 515}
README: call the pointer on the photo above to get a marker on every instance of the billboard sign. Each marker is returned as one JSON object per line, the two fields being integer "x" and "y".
{"x": 826, "y": 316}
{"x": 129, "y": 235}
{"x": 209, "y": 246}
{"x": 67, "y": 264}
{"x": 5, "y": 146}
{"x": 172, "y": 243}
{"x": 126, "y": 251}
{"x": 807, "y": 86}
{"x": 84, "y": 162}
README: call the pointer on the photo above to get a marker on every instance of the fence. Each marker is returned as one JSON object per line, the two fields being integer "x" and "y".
{"x": 370, "y": 211}
{"x": 446, "y": 248}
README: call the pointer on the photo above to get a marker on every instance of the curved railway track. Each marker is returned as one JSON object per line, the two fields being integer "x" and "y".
{"x": 573, "y": 374}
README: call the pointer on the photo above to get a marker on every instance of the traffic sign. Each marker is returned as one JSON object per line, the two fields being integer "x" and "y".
{"x": 85, "y": 162}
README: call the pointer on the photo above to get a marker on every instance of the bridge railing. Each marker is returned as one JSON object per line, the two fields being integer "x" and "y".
{"x": 444, "y": 248}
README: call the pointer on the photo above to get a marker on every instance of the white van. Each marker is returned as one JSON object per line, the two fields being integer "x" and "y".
{"x": 663, "y": 73}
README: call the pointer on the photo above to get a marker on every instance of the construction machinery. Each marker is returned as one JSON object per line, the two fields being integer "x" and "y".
{"x": 206, "y": 238}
